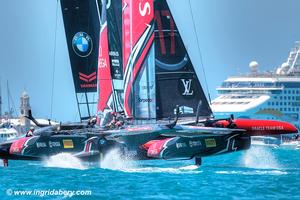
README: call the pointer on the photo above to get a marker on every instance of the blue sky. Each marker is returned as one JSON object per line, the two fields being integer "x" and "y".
{"x": 231, "y": 33}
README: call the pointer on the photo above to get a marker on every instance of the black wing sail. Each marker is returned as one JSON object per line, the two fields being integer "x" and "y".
{"x": 82, "y": 27}
{"x": 114, "y": 26}
{"x": 176, "y": 80}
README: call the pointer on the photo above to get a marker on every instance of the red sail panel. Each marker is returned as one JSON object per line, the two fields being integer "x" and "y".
{"x": 138, "y": 36}
{"x": 104, "y": 74}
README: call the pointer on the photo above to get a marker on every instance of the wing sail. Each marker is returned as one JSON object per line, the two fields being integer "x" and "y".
{"x": 138, "y": 59}
{"x": 81, "y": 22}
{"x": 176, "y": 80}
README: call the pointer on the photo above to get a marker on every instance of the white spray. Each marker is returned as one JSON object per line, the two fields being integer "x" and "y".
{"x": 114, "y": 161}
{"x": 260, "y": 158}
{"x": 64, "y": 160}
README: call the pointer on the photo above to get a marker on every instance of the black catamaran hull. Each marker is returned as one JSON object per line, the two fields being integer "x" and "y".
{"x": 142, "y": 143}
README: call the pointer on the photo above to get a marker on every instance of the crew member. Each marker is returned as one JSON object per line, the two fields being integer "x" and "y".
{"x": 112, "y": 124}
{"x": 30, "y": 132}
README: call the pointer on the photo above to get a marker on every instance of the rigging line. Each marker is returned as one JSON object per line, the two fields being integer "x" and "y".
{"x": 8, "y": 101}
{"x": 200, "y": 54}
{"x": 54, "y": 58}
{"x": 14, "y": 110}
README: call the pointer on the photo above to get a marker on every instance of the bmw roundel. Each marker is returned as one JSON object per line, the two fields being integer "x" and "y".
{"x": 82, "y": 44}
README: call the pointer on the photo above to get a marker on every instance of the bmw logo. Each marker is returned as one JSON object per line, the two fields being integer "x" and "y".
{"x": 102, "y": 141}
{"x": 82, "y": 44}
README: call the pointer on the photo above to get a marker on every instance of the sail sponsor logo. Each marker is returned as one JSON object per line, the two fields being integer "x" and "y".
{"x": 180, "y": 145}
{"x": 41, "y": 144}
{"x": 68, "y": 144}
{"x": 144, "y": 8}
{"x": 147, "y": 100}
{"x": 268, "y": 128}
{"x": 210, "y": 142}
{"x": 114, "y": 53}
{"x": 115, "y": 62}
{"x": 92, "y": 85}
{"x": 195, "y": 143}
{"x": 187, "y": 85}
{"x": 87, "y": 78}
{"x": 82, "y": 44}
{"x": 102, "y": 63}
{"x": 54, "y": 144}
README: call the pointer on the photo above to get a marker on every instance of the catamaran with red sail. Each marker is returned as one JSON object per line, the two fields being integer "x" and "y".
{"x": 150, "y": 101}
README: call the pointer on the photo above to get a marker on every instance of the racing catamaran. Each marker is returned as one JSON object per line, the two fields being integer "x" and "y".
{"x": 145, "y": 78}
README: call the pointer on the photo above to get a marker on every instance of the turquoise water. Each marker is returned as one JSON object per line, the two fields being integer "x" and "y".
{"x": 259, "y": 173}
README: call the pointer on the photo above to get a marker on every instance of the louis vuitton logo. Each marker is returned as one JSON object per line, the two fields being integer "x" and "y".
{"x": 187, "y": 83}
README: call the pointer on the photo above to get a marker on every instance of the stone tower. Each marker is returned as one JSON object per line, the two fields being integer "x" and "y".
{"x": 24, "y": 108}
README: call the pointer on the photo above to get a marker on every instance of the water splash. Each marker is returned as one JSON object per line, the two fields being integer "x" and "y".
{"x": 260, "y": 158}
{"x": 64, "y": 160}
{"x": 114, "y": 161}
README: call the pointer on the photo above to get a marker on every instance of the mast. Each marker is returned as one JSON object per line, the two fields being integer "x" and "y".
{"x": 0, "y": 101}
{"x": 105, "y": 86}
{"x": 8, "y": 100}
{"x": 114, "y": 36}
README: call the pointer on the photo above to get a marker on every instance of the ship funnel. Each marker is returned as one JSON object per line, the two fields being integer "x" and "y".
{"x": 253, "y": 65}
{"x": 283, "y": 69}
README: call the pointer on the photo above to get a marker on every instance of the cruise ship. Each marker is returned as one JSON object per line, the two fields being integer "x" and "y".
{"x": 268, "y": 95}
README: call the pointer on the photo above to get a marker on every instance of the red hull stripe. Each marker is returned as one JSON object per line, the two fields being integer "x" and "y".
{"x": 17, "y": 146}
{"x": 157, "y": 147}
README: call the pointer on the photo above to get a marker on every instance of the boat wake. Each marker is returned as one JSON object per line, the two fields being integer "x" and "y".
{"x": 254, "y": 172}
{"x": 191, "y": 169}
{"x": 64, "y": 160}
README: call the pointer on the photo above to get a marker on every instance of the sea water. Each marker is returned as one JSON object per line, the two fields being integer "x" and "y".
{"x": 259, "y": 173}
